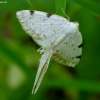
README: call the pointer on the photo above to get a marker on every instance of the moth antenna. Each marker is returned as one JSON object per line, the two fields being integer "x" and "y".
{"x": 30, "y": 3}
{"x": 65, "y": 14}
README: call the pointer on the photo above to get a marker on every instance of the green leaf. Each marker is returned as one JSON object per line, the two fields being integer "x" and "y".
{"x": 15, "y": 57}
{"x": 60, "y": 7}
{"x": 92, "y": 6}
{"x": 29, "y": 3}
{"x": 83, "y": 85}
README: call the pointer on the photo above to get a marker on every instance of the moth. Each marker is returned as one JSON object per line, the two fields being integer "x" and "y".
{"x": 58, "y": 38}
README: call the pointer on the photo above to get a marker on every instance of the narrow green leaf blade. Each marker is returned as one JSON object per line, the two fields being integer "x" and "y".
{"x": 92, "y": 6}
{"x": 83, "y": 85}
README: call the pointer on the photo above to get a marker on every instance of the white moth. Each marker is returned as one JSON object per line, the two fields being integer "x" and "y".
{"x": 59, "y": 39}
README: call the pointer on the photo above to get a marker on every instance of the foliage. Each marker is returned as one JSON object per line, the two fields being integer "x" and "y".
{"x": 18, "y": 62}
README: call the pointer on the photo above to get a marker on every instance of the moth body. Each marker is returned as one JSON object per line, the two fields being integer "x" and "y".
{"x": 59, "y": 39}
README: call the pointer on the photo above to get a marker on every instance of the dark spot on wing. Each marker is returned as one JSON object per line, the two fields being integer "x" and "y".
{"x": 72, "y": 44}
{"x": 65, "y": 42}
{"x": 48, "y": 15}
{"x": 78, "y": 56}
{"x": 32, "y": 12}
{"x": 80, "y": 45}
{"x": 44, "y": 36}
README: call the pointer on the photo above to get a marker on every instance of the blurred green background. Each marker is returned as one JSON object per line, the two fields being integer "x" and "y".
{"x": 19, "y": 60}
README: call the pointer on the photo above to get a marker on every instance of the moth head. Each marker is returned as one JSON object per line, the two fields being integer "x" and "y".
{"x": 74, "y": 27}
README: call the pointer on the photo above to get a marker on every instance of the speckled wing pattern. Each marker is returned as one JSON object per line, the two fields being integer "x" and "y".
{"x": 59, "y": 38}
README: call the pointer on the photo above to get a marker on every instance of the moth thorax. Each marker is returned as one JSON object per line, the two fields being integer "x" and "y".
{"x": 59, "y": 40}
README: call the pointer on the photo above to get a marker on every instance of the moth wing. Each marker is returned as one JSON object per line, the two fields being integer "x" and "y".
{"x": 69, "y": 51}
{"x": 41, "y": 26}
{"x": 44, "y": 62}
